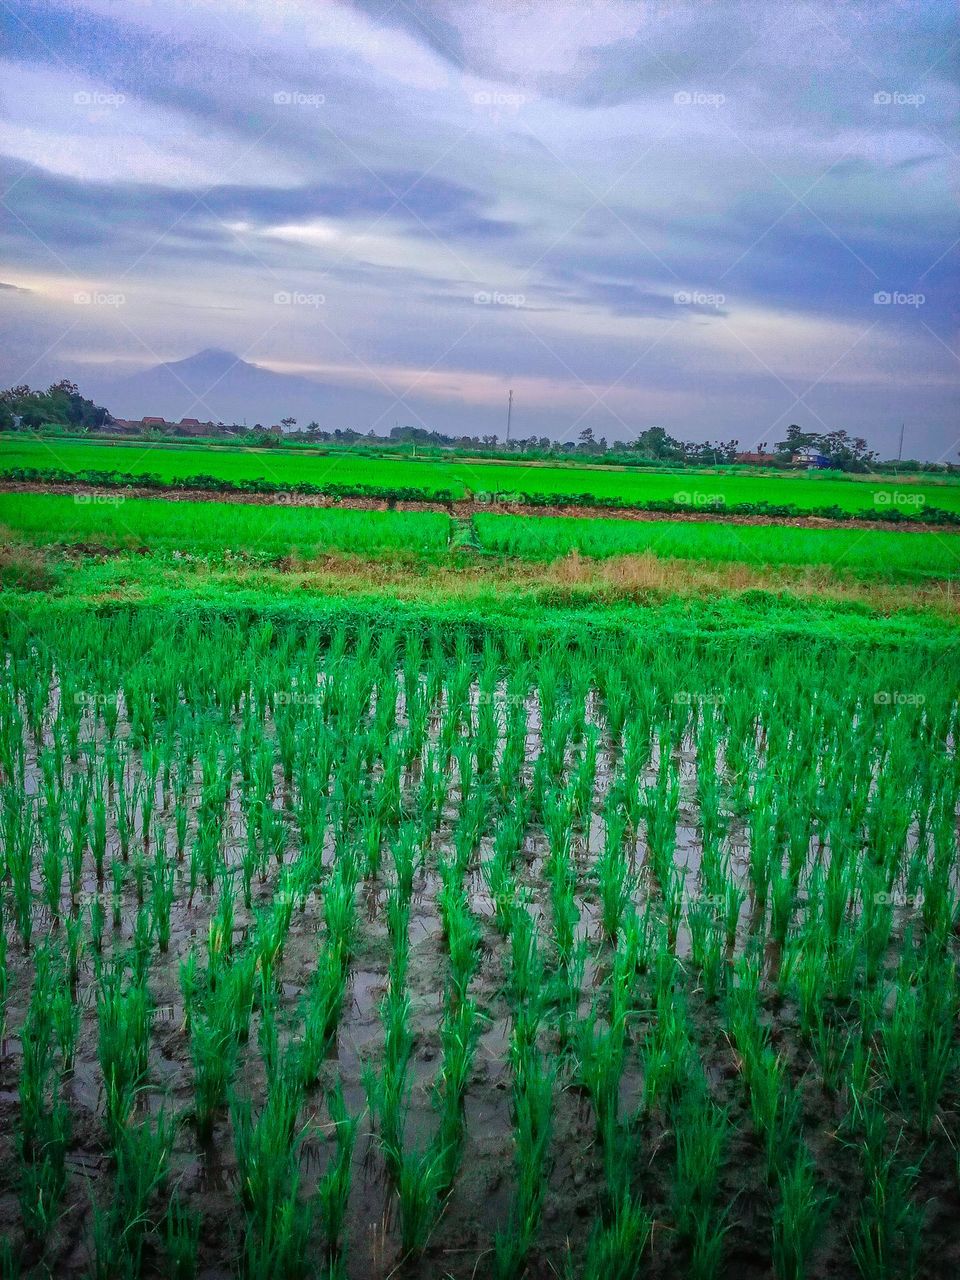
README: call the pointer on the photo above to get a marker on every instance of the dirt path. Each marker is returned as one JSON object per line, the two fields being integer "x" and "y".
{"x": 464, "y": 510}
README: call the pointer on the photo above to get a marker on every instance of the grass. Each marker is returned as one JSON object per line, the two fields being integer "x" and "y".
{"x": 860, "y": 552}
{"x": 206, "y": 528}
{"x": 605, "y": 553}
{"x": 460, "y": 476}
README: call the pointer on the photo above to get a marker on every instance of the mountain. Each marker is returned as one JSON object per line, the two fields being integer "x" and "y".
{"x": 218, "y": 386}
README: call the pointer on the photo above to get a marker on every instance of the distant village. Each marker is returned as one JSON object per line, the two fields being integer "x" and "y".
{"x": 61, "y": 407}
{"x": 807, "y": 458}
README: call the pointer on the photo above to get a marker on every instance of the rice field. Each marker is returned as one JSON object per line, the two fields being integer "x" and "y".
{"x": 349, "y": 942}
{"x": 109, "y": 520}
{"x": 867, "y": 552}
{"x": 463, "y": 477}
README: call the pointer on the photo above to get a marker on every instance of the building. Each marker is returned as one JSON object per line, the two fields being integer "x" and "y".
{"x": 194, "y": 427}
{"x": 757, "y": 459}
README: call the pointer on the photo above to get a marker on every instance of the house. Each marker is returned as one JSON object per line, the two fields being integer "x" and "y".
{"x": 757, "y": 459}
{"x": 194, "y": 427}
{"x": 153, "y": 424}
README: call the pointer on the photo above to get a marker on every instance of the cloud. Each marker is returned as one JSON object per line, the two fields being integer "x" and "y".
{"x": 773, "y": 168}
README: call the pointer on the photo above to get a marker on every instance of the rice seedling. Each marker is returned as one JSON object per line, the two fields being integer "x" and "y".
{"x": 334, "y": 1188}
{"x": 700, "y": 1131}
{"x": 45, "y": 1124}
{"x": 616, "y": 1248}
{"x": 322, "y": 1012}
{"x": 798, "y": 1218}
{"x": 888, "y": 1234}
{"x": 602, "y": 1053}
{"x": 182, "y": 1239}
{"x": 142, "y": 1157}
{"x": 764, "y": 912}
{"x": 421, "y": 1179}
{"x": 533, "y": 1111}
{"x": 265, "y": 1146}
{"x": 124, "y": 1014}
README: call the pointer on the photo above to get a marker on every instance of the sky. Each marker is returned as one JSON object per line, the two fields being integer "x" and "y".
{"x": 720, "y": 218}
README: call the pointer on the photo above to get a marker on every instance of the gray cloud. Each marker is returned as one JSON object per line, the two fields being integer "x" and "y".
{"x": 786, "y": 164}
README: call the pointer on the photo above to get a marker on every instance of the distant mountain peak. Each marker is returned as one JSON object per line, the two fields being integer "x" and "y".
{"x": 212, "y": 356}
{"x": 217, "y": 385}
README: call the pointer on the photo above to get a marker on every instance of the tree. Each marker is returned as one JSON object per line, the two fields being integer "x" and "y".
{"x": 60, "y": 405}
{"x": 289, "y": 423}
{"x": 841, "y": 451}
{"x": 796, "y": 438}
{"x": 656, "y": 444}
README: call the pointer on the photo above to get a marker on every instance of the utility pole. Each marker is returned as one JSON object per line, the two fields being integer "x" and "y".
{"x": 900, "y": 450}
{"x": 509, "y": 413}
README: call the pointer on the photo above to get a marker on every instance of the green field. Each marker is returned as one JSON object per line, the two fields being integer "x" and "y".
{"x": 808, "y": 491}
{"x": 596, "y": 944}
{"x": 210, "y": 528}
{"x": 868, "y": 552}
{"x": 556, "y": 929}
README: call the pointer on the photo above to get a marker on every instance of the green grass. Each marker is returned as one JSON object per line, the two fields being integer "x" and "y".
{"x": 214, "y": 527}
{"x": 866, "y": 552}
{"x": 460, "y": 476}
